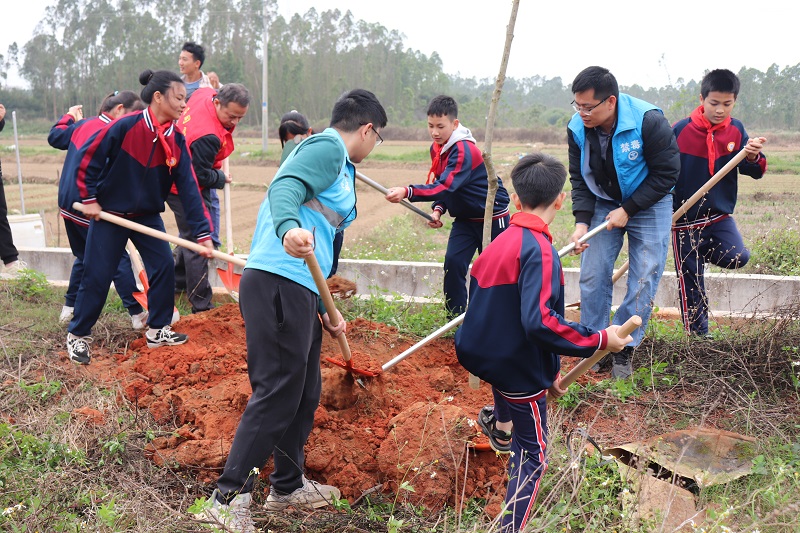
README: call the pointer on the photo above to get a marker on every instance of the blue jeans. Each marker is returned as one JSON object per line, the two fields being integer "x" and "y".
{"x": 215, "y": 218}
{"x": 648, "y": 243}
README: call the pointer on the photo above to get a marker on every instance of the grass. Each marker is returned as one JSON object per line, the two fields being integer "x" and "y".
{"x": 60, "y": 473}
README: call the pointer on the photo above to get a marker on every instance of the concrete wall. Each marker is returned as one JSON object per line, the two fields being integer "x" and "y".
{"x": 728, "y": 293}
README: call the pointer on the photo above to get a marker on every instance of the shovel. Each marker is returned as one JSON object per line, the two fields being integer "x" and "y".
{"x": 229, "y": 278}
{"x": 474, "y": 382}
{"x": 327, "y": 299}
{"x": 405, "y": 203}
{"x": 138, "y": 268}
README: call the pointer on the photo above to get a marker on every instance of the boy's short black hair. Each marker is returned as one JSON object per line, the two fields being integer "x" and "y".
{"x": 356, "y": 108}
{"x": 197, "y": 51}
{"x": 720, "y": 80}
{"x": 443, "y": 106}
{"x": 538, "y": 179}
{"x": 598, "y": 78}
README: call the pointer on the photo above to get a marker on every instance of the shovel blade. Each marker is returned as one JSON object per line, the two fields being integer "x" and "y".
{"x": 350, "y": 368}
{"x": 231, "y": 280}
{"x": 141, "y": 297}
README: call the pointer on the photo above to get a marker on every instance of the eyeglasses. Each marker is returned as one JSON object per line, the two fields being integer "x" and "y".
{"x": 586, "y": 111}
{"x": 380, "y": 139}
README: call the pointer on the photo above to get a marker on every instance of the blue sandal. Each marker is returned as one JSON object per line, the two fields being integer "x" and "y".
{"x": 487, "y": 423}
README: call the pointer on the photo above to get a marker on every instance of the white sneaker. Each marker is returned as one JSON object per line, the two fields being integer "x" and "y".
{"x": 233, "y": 517}
{"x": 139, "y": 321}
{"x": 13, "y": 269}
{"x": 310, "y": 495}
{"x": 164, "y": 337}
{"x": 78, "y": 349}
{"x": 66, "y": 314}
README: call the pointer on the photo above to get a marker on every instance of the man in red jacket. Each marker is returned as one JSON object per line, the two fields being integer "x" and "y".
{"x": 207, "y": 123}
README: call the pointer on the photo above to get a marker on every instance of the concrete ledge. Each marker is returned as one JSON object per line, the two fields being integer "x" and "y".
{"x": 747, "y": 294}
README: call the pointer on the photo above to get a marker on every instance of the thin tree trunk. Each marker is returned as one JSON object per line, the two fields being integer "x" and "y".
{"x": 487, "y": 147}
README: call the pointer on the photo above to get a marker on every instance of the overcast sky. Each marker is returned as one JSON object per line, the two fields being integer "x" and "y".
{"x": 647, "y": 43}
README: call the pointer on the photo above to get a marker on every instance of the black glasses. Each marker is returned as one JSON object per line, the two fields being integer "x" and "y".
{"x": 380, "y": 139}
{"x": 587, "y": 110}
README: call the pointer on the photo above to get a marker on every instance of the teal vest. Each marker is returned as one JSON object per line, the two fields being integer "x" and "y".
{"x": 330, "y": 211}
{"x": 627, "y": 145}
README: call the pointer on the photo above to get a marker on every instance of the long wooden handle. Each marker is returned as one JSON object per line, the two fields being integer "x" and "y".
{"x": 588, "y": 235}
{"x": 228, "y": 214}
{"x": 693, "y": 199}
{"x": 327, "y": 299}
{"x": 135, "y": 226}
{"x": 405, "y": 203}
{"x": 578, "y": 370}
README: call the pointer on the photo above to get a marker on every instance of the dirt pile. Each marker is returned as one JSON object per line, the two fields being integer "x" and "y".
{"x": 411, "y": 425}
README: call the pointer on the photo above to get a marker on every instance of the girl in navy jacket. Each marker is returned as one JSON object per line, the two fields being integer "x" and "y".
{"x": 128, "y": 169}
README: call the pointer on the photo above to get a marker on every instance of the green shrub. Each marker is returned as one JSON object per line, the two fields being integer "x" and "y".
{"x": 776, "y": 253}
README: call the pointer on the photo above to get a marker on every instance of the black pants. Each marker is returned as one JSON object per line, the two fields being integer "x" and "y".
{"x": 8, "y": 252}
{"x": 191, "y": 268}
{"x": 284, "y": 338}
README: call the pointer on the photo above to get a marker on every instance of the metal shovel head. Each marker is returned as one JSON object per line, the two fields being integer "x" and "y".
{"x": 231, "y": 280}
{"x": 348, "y": 365}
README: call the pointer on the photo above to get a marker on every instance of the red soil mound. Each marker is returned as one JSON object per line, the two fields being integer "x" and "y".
{"x": 411, "y": 424}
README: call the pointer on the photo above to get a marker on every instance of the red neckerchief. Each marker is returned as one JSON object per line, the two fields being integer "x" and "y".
{"x": 437, "y": 153}
{"x": 699, "y": 119}
{"x": 160, "y": 129}
{"x": 531, "y": 221}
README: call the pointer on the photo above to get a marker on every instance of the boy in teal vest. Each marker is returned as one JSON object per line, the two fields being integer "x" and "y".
{"x": 311, "y": 198}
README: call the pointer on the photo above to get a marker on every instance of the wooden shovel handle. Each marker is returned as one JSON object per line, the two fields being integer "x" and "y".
{"x": 135, "y": 226}
{"x": 693, "y": 199}
{"x": 624, "y": 330}
{"x": 327, "y": 299}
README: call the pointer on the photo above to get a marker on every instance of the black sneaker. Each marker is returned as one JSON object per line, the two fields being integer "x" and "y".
{"x": 165, "y": 337}
{"x": 622, "y": 368}
{"x": 78, "y": 349}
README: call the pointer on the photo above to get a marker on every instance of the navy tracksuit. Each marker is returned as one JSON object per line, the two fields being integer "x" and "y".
{"x": 129, "y": 168}
{"x": 512, "y": 335}
{"x": 707, "y": 233}
{"x": 460, "y": 188}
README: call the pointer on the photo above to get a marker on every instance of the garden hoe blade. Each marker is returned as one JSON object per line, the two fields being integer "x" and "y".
{"x": 229, "y": 278}
{"x": 327, "y": 299}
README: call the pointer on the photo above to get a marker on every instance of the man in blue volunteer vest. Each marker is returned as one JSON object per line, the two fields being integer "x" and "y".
{"x": 623, "y": 164}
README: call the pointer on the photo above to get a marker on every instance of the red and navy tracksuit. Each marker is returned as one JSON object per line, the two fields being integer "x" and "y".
{"x": 128, "y": 168}
{"x": 69, "y": 135}
{"x": 512, "y": 335}
{"x": 460, "y": 188}
{"x": 707, "y": 233}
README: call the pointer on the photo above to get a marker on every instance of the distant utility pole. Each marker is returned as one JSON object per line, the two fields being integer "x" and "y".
{"x": 264, "y": 70}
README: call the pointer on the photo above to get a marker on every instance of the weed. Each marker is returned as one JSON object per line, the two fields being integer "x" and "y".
{"x": 29, "y": 285}
{"x": 394, "y": 310}
{"x": 776, "y": 252}
{"x": 41, "y": 391}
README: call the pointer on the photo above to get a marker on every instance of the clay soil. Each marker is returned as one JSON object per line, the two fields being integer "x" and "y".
{"x": 410, "y": 424}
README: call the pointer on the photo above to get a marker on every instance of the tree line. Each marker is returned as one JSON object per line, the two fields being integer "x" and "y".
{"x": 84, "y": 49}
